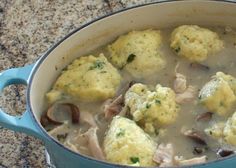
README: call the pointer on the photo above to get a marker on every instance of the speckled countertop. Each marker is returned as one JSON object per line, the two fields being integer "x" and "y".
{"x": 27, "y": 29}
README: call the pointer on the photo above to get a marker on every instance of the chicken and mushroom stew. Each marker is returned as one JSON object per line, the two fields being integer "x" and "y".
{"x": 150, "y": 98}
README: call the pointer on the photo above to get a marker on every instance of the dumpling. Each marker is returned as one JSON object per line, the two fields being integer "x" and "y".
{"x": 229, "y": 79}
{"x": 126, "y": 143}
{"x": 88, "y": 79}
{"x": 216, "y": 130}
{"x": 138, "y": 52}
{"x": 151, "y": 109}
{"x": 230, "y": 130}
{"x": 224, "y": 131}
{"x": 218, "y": 94}
{"x": 195, "y": 43}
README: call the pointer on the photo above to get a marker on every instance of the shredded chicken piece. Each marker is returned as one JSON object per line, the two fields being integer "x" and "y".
{"x": 180, "y": 83}
{"x": 184, "y": 94}
{"x": 187, "y": 96}
{"x": 71, "y": 146}
{"x": 195, "y": 160}
{"x": 61, "y": 129}
{"x": 113, "y": 107}
{"x": 164, "y": 155}
{"x": 93, "y": 143}
{"x": 88, "y": 118}
{"x": 78, "y": 143}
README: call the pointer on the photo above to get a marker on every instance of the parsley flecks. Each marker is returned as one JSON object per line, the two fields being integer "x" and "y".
{"x": 120, "y": 133}
{"x": 134, "y": 159}
{"x": 157, "y": 101}
{"x": 148, "y": 106}
{"x": 177, "y": 49}
{"x": 97, "y": 65}
{"x": 130, "y": 58}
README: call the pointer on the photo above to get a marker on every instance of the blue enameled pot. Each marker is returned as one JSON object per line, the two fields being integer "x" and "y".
{"x": 40, "y": 76}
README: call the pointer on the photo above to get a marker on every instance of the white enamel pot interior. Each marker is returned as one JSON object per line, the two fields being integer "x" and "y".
{"x": 158, "y": 15}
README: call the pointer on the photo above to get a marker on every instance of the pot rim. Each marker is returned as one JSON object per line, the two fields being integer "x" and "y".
{"x": 45, "y": 55}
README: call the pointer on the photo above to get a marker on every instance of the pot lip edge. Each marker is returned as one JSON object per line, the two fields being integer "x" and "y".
{"x": 55, "y": 45}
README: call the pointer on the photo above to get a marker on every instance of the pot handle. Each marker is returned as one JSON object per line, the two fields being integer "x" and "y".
{"x": 25, "y": 122}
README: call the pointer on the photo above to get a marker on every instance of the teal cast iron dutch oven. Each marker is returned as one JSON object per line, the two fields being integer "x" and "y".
{"x": 40, "y": 76}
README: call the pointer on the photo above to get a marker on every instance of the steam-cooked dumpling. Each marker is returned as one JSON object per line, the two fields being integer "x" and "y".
{"x": 230, "y": 130}
{"x": 224, "y": 131}
{"x": 218, "y": 94}
{"x": 195, "y": 43}
{"x": 216, "y": 130}
{"x": 126, "y": 143}
{"x": 138, "y": 52}
{"x": 87, "y": 79}
{"x": 152, "y": 109}
{"x": 229, "y": 79}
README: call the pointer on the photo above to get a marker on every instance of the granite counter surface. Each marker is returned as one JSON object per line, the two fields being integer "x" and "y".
{"x": 27, "y": 29}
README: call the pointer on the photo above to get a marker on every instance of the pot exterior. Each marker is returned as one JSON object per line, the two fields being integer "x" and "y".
{"x": 62, "y": 158}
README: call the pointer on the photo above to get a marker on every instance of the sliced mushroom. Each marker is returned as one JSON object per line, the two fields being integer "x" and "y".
{"x": 93, "y": 143}
{"x": 113, "y": 107}
{"x": 44, "y": 120}
{"x": 58, "y": 113}
{"x": 204, "y": 116}
{"x": 51, "y": 117}
{"x": 196, "y": 136}
{"x": 75, "y": 113}
{"x": 187, "y": 96}
{"x": 224, "y": 152}
{"x": 199, "y": 66}
{"x": 164, "y": 155}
